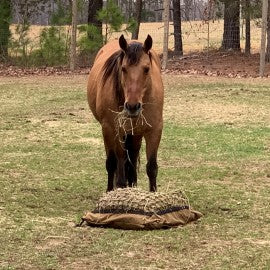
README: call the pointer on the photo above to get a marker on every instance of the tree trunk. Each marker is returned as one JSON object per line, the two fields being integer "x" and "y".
{"x": 73, "y": 36}
{"x": 93, "y": 7}
{"x": 138, "y": 15}
{"x": 166, "y": 14}
{"x": 263, "y": 36}
{"x": 247, "y": 16}
{"x": 267, "y": 56}
{"x": 5, "y": 14}
{"x": 178, "y": 45}
{"x": 231, "y": 34}
{"x": 130, "y": 9}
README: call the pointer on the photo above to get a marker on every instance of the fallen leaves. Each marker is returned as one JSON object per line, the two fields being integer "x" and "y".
{"x": 15, "y": 71}
{"x": 215, "y": 64}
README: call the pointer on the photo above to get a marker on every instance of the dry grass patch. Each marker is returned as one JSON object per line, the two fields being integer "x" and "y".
{"x": 217, "y": 101}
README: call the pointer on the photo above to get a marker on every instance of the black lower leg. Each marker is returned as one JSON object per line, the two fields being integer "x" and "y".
{"x": 131, "y": 173}
{"x": 132, "y": 146}
{"x": 121, "y": 178}
{"x": 152, "y": 170}
{"x": 111, "y": 165}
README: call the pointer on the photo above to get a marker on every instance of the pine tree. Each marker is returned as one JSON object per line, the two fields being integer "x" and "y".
{"x": 5, "y": 14}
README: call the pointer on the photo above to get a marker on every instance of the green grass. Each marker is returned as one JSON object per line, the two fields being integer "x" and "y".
{"x": 215, "y": 147}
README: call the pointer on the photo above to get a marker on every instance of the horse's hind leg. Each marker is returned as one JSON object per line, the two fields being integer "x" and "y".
{"x": 132, "y": 146}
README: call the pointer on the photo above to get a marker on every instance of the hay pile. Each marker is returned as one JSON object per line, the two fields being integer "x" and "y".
{"x": 133, "y": 208}
{"x": 137, "y": 201}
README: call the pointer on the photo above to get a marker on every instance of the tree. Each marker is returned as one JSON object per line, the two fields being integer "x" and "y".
{"x": 63, "y": 14}
{"x": 73, "y": 36}
{"x": 267, "y": 55}
{"x": 265, "y": 7}
{"x": 166, "y": 19}
{"x": 5, "y": 14}
{"x": 247, "y": 18}
{"x": 231, "y": 34}
{"x": 93, "y": 7}
{"x": 178, "y": 45}
{"x": 135, "y": 34}
{"x": 113, "y": 19}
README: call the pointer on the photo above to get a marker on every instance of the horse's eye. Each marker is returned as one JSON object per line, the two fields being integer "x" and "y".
{"x": 124, "y": 70}
{"x": 146, "y": 70}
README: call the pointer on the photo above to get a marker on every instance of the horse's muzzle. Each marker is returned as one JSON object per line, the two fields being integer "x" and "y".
{"x": 132, "y": 110}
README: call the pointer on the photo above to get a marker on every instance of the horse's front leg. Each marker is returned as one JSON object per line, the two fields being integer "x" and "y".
{"x": 133, "y": 146}
{"x": 111, "y": 165}
{"x": 111, "y": 160}
{"x": 121, "y": 181}
{"x": 152, "y": 140}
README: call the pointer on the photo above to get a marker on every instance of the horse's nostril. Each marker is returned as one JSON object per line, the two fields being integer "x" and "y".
{"x": 127, "y": 106}
{"x": 132, "y": 108}
{"x": 138, "y": 106}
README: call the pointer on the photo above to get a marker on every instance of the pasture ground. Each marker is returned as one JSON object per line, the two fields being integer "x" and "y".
{"x": 215, "y": 147}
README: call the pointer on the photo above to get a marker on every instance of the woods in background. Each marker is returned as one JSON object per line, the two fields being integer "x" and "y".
{"x": 98, "y": 20}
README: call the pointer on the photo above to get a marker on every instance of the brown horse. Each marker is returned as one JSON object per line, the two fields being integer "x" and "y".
{"x": 125, "y": 94}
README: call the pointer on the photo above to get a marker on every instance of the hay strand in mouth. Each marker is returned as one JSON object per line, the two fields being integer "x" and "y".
{"x": 121, "y": 120}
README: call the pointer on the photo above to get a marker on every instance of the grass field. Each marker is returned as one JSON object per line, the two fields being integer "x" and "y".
{"x": 194, "y": 35}
{"x": 215, "y": 147}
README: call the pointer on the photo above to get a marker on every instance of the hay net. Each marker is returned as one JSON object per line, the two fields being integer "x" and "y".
{"x": 135, "y": 209}
{"x": 137, "y": 201}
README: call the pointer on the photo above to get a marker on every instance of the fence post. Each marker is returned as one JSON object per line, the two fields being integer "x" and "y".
{"x": 263, "y": 36}
{"x": 208, "y": 28}
{"x": 73, "y": 36}
{"x": 166, "y": 18}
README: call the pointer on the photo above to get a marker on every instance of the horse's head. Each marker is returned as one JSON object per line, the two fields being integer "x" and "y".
{"x": 135, "y": 73}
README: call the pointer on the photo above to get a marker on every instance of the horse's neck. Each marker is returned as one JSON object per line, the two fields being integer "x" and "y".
{"x": 119, "y": 91}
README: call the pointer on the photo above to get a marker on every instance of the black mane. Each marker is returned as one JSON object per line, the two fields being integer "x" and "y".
{"x": 113, "y": 64}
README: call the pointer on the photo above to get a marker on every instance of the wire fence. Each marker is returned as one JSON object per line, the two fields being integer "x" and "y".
{"x": 196, "y": 36}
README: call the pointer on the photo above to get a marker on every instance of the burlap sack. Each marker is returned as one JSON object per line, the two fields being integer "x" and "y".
{"x": 135, "y": 209}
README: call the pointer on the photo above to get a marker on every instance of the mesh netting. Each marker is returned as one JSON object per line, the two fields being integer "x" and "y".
{"x": 137, "y": 201}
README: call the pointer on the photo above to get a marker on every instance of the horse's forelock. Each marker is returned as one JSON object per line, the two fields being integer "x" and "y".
{"x": 134, "y": 53}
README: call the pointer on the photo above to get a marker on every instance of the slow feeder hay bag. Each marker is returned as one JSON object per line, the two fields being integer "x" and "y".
{"x": 135, "y": 209}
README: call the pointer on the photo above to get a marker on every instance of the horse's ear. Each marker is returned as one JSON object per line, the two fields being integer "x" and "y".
{"x": 123, "y": 43}
{"x": 148, "y": 44}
